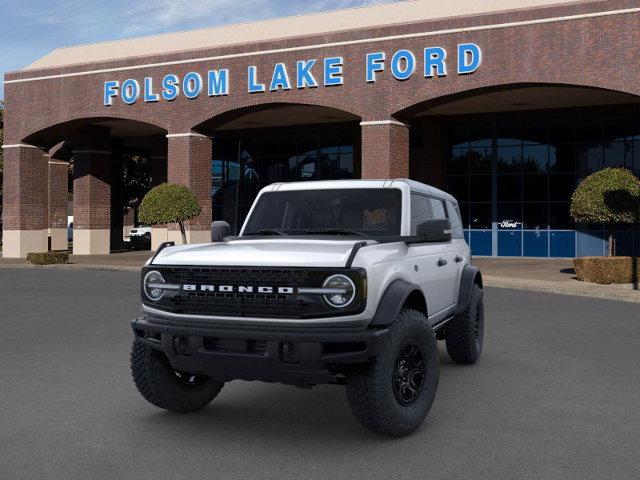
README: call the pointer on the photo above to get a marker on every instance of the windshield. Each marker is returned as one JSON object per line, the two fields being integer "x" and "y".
{"x": 361, "y": 212}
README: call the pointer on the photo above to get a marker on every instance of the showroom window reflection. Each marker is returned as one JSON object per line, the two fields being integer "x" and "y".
{"x": 246, "y": 161}
{"x": 521, "y": 169}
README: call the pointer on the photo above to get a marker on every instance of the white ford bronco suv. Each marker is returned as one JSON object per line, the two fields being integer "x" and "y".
{"x": 348, "y": 282}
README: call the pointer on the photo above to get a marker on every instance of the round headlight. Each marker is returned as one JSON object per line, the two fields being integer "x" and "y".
{"x": 344, "y": 291}
{"x": 152, "y": 285}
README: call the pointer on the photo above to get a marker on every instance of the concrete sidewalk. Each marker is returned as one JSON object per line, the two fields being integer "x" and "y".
{"x": 548, "y": 275}
{"x": 116, "y": 261}
{"x": 539, "y": 275}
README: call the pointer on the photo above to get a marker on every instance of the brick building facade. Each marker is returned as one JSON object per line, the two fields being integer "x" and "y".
{"x": 407, "y": 78}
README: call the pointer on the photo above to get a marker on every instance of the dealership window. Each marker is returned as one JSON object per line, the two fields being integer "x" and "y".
{"x": 246, "y": 161}
{"x": 521, "y": 174}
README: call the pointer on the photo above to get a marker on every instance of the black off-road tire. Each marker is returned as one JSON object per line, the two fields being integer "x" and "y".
{"x": 161, "y": 385}
{"x": 465, "y": 333}
{"x": 372, "y": 389}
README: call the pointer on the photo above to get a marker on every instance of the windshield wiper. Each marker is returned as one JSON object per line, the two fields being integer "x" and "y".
{"x": 336, "y": 231}
{"x": 267, "y": 231}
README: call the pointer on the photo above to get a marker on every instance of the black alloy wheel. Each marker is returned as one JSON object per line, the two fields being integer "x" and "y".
{"x": 408, "y": 373}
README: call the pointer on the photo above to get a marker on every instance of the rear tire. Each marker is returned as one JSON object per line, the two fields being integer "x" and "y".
{"x": 465, "y": 333}
{"x": 163, "y": 386}
{"x": 394, "y": 393}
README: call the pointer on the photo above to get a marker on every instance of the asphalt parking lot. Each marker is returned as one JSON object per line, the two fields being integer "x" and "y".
{"x": 555, "y": 395}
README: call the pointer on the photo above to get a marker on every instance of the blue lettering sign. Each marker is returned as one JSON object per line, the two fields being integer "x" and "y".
{"x": 333, "y": 71}
{"x": 170, "y": 87}
{"x": 403, "y": 64}
{"x": 218, "y": 82}
{"x": 149, "y": 96}
{"x": 192, "y": 85}
{"x": 130, "y": 91}
{"x": 375, "y": 63}
{"x": 110, "y": 92}
{"x": 434, "y": 59}
{"x": 280, "y": 78}
{"x": 254, "y": 87}
{"x": 469, "y": 58}
{"x": 304, "y": 77}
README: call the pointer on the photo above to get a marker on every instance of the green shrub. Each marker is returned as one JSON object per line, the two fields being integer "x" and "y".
{"x": 607, "y": 270}
{"x": 611, "y": 195}
{"x": 169, "y": 203}
{"x": 48, "y": 258}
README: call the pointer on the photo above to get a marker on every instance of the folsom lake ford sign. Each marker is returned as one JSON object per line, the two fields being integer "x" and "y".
{"x": 309, "y": 73}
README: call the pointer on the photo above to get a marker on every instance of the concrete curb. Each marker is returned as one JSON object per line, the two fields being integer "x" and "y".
{"x": 604, "y": 292}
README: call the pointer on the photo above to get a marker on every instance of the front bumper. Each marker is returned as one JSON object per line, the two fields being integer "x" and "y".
{"x": 298, "y": 356}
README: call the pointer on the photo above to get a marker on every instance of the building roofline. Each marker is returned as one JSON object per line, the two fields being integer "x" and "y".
{"x": 283, "y": 28}
{"x": 229, "y": 25}
{"x": 20, "y": 76}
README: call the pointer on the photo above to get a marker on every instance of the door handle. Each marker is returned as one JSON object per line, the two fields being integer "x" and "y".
{"x": 442, "y": 262}
{"x": 459, "y": 259}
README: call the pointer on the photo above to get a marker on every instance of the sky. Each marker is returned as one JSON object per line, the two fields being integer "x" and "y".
{"x": 29, "y": 29}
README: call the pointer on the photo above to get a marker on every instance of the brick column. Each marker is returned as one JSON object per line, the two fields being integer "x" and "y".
{"x": 385, "y": 149}
{"x": 25, "y": 211}
{"x": 189, "y": 164}
{"x": 159, "y": 233}
{"x": 58, "y": 191}
{"x": 92, "y": 192}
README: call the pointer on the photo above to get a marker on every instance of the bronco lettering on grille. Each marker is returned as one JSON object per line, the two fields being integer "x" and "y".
{"x": 237, "y": 289}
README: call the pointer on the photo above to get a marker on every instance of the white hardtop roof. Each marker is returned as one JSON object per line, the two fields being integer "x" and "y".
{"x": 336, "y": 184}
{"x": 273, "y": 29}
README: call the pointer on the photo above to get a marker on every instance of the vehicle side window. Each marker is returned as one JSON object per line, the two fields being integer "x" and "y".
{"x": 456, "y": 223}
{"x": 437, "y": 207}
{"x": 420, "y": 211}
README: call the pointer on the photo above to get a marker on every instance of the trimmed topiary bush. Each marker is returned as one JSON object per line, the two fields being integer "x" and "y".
{"x": 48, "y": 258}
{"x": 169, "y": 203}
{"x": 611, "y": 195}
{"x": 607, "y": 270}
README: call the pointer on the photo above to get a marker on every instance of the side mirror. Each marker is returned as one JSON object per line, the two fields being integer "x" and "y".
{"x": 219, "y": 230}
{"x": 434, "y": 230}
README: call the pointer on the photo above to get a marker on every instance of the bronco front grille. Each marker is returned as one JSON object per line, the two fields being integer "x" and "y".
{"x": 237, "y": 276}
{"x": 253, "y": 304}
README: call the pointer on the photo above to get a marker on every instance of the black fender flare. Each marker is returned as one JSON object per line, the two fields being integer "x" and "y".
{"x": 470, "y": 275}
{"x": 392, "y": 301}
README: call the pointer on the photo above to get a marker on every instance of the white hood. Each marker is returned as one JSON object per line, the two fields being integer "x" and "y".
{"x": 261, "y": 252}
